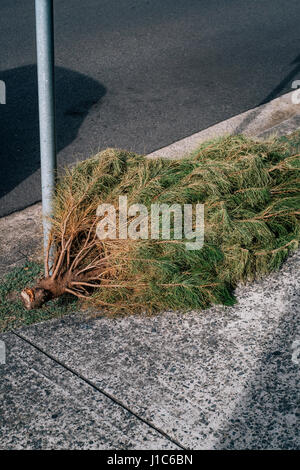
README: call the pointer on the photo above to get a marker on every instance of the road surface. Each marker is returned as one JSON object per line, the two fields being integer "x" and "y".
{"x": 137, "y": 74}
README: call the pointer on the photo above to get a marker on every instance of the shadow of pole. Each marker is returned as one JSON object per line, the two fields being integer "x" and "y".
{"x": 76, "y": 94}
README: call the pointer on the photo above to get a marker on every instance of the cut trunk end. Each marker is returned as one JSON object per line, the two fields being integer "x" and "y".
{"x": 45, "y": 290}
{"x": 50, "y": 288}
{"x": 35, "y": 297}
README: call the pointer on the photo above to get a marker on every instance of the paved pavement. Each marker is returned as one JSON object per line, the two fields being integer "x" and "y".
{"x": 45, "y": 406}
{"x": 223, "y": 378}
{"x": 138, "y": 74}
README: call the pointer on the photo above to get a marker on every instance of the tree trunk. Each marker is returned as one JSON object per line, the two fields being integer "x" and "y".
{"x": 46, "y": 289}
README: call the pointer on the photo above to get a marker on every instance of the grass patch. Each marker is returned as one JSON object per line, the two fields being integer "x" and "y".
{"x": 12, "y": 312}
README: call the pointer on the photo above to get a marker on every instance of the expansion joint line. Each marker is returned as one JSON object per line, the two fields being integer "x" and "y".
{"x": 103, "y": 392}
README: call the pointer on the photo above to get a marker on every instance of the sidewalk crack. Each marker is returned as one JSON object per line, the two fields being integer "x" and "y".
{"x": 103, "y": 392}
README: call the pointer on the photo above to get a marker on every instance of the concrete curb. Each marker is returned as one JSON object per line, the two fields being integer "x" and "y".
{"x": 20, "y": 232}
{"x": 255, "y": 122}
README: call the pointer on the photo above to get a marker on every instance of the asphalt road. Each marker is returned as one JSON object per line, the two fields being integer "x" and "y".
{"x": 138, "y": 74}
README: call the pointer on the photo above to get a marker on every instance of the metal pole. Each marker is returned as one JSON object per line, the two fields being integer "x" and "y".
{"x": 45, "y": 67}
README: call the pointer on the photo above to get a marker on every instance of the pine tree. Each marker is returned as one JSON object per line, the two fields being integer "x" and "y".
{"x": 250, "y": 192}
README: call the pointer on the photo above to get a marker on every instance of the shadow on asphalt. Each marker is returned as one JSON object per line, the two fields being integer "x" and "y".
{"x": 286, "y": 82}
{"x": 19, "y": 131}
{"x": 275, "y": 93}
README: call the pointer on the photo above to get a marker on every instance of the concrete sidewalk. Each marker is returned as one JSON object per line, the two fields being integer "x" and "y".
{"x": 223, "y": 378}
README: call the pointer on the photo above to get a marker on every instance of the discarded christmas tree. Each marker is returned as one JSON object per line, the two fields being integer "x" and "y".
{"x": 250, "y": 191}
